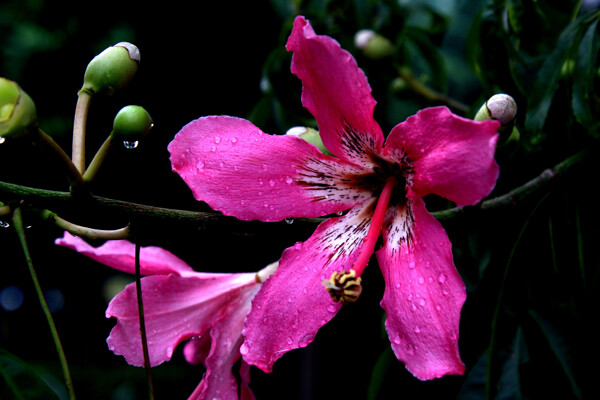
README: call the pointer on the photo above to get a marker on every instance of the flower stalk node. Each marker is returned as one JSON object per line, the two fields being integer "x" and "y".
{"x": 344, "y": 286}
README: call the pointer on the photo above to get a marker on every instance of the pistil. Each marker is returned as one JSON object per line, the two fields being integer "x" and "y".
{"x": 345, "y": 286}
{"x": 375, "y": 228}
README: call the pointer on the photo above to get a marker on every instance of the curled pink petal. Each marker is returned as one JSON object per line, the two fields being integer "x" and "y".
{"x": 336, "y": 92}
{"x": 196, "y": 349}
{"x": 218, "y": 381}
{"x": 423, "y": 294}
{"x": 120, "y": 255}
{"x": 452, "y": 157}
{"x": 236, "y": 168}
{"x": 293, "y": 303}
{"x": 175, "y": 309}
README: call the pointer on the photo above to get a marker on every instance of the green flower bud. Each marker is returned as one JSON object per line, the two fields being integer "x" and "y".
{"x": 372, "y": 44}
{"x": 309, "y": 135}
{"x": 112, "y": 69}
{"x": 500, "y": 107}
{"x": 17, "y": 110}
{"x": 132, "y": 123}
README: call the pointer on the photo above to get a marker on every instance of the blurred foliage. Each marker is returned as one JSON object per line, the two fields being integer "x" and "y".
{"x": 532, "y": 273}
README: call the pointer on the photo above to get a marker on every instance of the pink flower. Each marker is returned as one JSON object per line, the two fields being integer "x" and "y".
{"x": 179, "y": 304}
{"x": 237, "y": 169}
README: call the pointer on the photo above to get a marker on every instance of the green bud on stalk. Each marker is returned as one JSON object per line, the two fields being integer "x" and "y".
{"x": 309, "y": 135}
{"x": 132, "y": 123}
{"x": 17, "y": 110}
{"x": 503, "y": 108}
{"x": 372, "y": 44}
{"x": 112, "y": 69}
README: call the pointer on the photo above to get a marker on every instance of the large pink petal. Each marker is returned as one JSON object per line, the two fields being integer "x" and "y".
{"x": 293, "y": 304}
{"x": 120, "y": 255}
{"x": 423, "y": 293}
{"x": 336, "y": 92}
{"x": 236, "y": 168}
{"x": 175, "y": 309}
{"x": 226, "y": 337}
{"x": 452, "y": 156}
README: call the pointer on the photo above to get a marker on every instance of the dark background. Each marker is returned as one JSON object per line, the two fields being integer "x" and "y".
{"x": 208, "y": 58}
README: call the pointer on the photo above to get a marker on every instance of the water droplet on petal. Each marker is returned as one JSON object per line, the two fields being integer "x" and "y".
{"x": 234, "y": 140}
{"x": 397, "y": 340}
{"x": 442, "y": 278}
{"x": 214, "y": 148}
{"x": 289, "y": 340}
{"x": 306, "y": 339}
{"x": 244, "y": 349}
{"x": 130, "y": 144}
{"x": 422, "y": 302}
{"x": 398, "y": 285}
{"x": 200, "y": 164}
{"x": 412, "y": 265}
{"x": 265, "y": 167}
{"x": 410, "y": 297}
{"x": 298, "y": 245}
{"x": 271, "y": 182}
{"x": 421, "y": 280}
{"x": 289, "y": 221}
{"x": 331, "y": 308}
{"x": 417, "y": 330}
{"x": 217, "y": 139}
{"x": 260, "y": 182}
{"x": 288, "y": 180}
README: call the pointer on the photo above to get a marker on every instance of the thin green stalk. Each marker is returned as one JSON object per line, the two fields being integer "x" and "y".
{"x": 18, "y": 224}
{"x": 92, "y": 169}
{"x": 491, "y": 347}
{"x": 138, "y": 289}
{"x": 84, "y": 231}
{"x": 81, "y": 112}
{"x": 73, "y": 175}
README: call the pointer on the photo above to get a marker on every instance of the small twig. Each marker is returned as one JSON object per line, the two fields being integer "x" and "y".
{"x": 18, "y": 224}
{"x": 429, "y": 93}
{"x": 141, "y": 211}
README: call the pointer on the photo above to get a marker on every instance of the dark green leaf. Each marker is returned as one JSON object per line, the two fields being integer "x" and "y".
{"x": 546, "y": 83}
{"x": 583, "y": 81}
{"x": 379, "y": 373}
{"x": 474, "y": 385}
{"x": 21, "y": 381}
{"x": 510, "y": 379}
{"x": 560, "y": 349}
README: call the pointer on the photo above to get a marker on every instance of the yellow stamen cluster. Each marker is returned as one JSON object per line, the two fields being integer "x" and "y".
{"x": 343, "y": 286}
